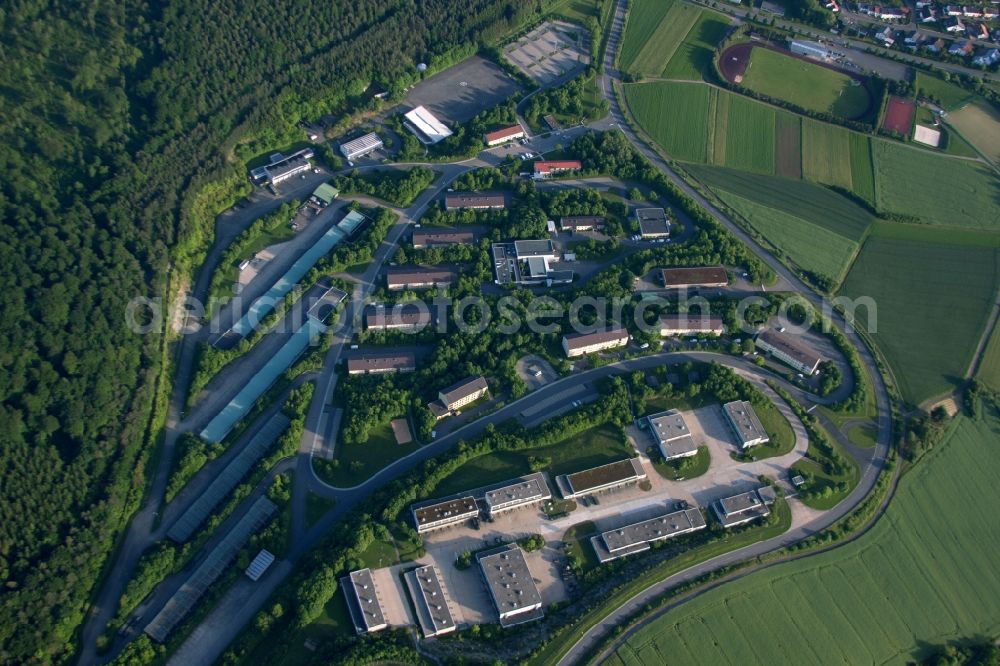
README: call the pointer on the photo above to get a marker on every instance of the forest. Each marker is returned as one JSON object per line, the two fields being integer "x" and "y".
{"x": 125, "y": 129}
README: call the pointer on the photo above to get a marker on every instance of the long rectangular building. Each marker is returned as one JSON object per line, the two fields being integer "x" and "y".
{"x": 605, "y": 477}
{"x": 380, "y": 318}
{"x": 691, "y": 324}
{"x": 742, "y": 508}
{"x": 442, "y": 514}
{"x": 578, "y": 344}
{"x": 745, "y": 424}
{"x": 363, "y": 602}
{"x": 437, "y": 237}
{"x": 463, "y": 392}
{"x": 376, "y": 363}
{"x": 637, "y": 537}
{"x": 786, "y": 348}
{"x": 523, "y": 492}
{"x": 653, "y": 223}
{"x": 698, "y": 276}
{"x": 433, "y": 612}
{"x": 425, "y": 126}
{"x": 672, "y": 435}
{"x": 511, "y": 585}
{"x": 581, "y": 223}
{"x": 475, "y": 200}
{"x": 504, "y": 135}
{"x": 361, "y": 146}
{"x": 418, "y": 278}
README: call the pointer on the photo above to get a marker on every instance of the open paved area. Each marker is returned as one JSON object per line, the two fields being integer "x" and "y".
{"x": 551, "y": 50}
{"x": 459, "y": 93}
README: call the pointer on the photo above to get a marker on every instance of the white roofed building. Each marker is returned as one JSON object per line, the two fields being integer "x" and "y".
{"x": 426, "y": 126}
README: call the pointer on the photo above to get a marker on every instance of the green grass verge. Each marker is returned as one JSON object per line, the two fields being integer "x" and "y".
{"x": 863, "y": 435}
{"x": 316, "y": 508}
{"x": 353, "y": 463}
{"x": 918, "y": 579}
{"x": 989, "y": 369}
{"x": 684, "y": 468}
{"x": 949, "y": 95}
{"x": 932, "y": 301}
{"x": 662, "y": 44}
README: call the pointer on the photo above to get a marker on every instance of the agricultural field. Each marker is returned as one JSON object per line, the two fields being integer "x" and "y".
{"x": 989, "y": 369}
{"x": 920, "y": 577}
{"x": 979, "y": 123}
{"x": 810, "y": 246}
{"x": 923, "y": 185}
{"x": 657, "y": 106}
{"x": 805, "y": 84}
{"x": 862, "y": 170}
{"x": 788, "y": 145}
{"x": 932, "y": 295}
{"x": 664, "y": 41}
{"x": 948, "y": 96}
{"x": 644, "y": 18}
{"x": 826, "y": 152}
{"x": 750, "y": 136}
{"x": 695, "y": 52}
{"x": 719, "y": 127}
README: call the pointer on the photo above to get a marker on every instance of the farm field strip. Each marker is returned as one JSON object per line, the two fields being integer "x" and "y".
{"x": 644, "y": 17}
{"x": 721, "y": 128}
{"x": 788, "y": 146}
{"x": 980, "y": 124}
{"x": 657, "y": 51}
{"x": 826, "y": 154}
{"x": 907, "y": 584}
{"x": 862, "y": 170}
{"x": 657, "y": 106}
{"x": 989, "y": 369}
{"x": 697, "y": 49}
{"x": 750, "y": 136}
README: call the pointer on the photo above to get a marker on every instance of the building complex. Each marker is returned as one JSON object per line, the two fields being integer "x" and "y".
{"x": 606, "y": 477}
{"x": 671, "y": 434}
{"x": 638, "y": 537}
{"x": 363, "y": 602}
{"x": 579, "y": 344}
{"x": 377, "y": 363}
{"x": 528, "y": 262}
{"x": 282, "y": 167}
{"x": 742, "y": 508}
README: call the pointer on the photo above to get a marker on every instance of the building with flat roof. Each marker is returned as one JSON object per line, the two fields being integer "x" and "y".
{"x": 526, "y": 249}
{"x": 605, "y": 477}
{"x": 463, "y": 392}
{"x": 638, "y": 537}
{"x": 504, "y": 135}
{"x": 528, "y": 262}
{"x": 418, "y": 277}
{"x": 548, "y": 168}
{"x": 581, "y": 223}
{"x": 578, "y": 344}
{"x": 259, "y": 565}
{"x": 437, "y": 237}
{"x": 282, "y": 167}
{"x": 671, "y": 434}
{"x": 325, "y": 194}
{"x": 475, "y": 200}
{"x": 377, "y": 363}
{"x": 789, "y": 350}
{"x": 742, "y": 508}
{"x": 653, "y": 222}
{"x": 523, "y": 492}
{"x": 361, "y": 146}
{"x": 744, "y": 423}
{"x": 425, "y": 126}
{"x": 397, "y": 318}
{"x": 697, "y": 276}
{"x": 691, "y": 324}
{"x": 363, "y": 602}
{"x": 429, "y": 600}
{"x": 430, "y": 517}
{"x": 511, "y": 585}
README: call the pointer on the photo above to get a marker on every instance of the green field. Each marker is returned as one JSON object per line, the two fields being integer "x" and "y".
{"x": 579, "y": 10}
{"x": 936, "y": 189}
{"x": 826, "y": 152}
{"x": 594, "y": 447}
{"x": 750, "y": 136}
{"x": 923, "y": 575}
{"x": 644, "y": 17}
{"x": 805, "y": 84}
{"x": 932, "y": 300}
{"x": 668, "y": 35}
{"x": 695, "y": 52}
{"x": 657, "y": 106}
{"x": 353, "y": 463}
{"x": 810, "y": 246}
{"x": 862, "y": 170}
{"x": 948, "y": 95}
{"x": 814, "y": 203}
{"x": 989, "y": 369}
{"x": 788, "y": 145}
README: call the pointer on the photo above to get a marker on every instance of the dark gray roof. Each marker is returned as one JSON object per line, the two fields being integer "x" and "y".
{"x": 509, "y": 579}
{"x": 463, "y": 388}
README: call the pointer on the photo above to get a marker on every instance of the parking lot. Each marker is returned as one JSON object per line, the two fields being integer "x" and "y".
{"x": 462, "y": 91}
{"x": 551, "y": 50}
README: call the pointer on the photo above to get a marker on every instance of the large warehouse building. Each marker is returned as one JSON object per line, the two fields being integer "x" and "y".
{"x": 789, "y": 350}
{"x": 361, "y": 146}
{"x": 429, "y": 601}
{"x": 744, "y": 423}
{"x": 606, "y": 477}
{"x": 672, "y": 435}
{"x": 425, "y": 126}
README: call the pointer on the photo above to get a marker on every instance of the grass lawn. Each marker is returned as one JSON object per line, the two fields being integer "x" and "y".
{"x": 948, "y": 95}
{"x": 665, "y": 39}
{"x": 805, "y": 84}
{"x": 594, "y": 447}
{"x": 980, "y": 124}
{"x": 695, "y": 52}
{"x": 316, "y": 507}
{"x": 819, "y": 205}
{"x": 936, "y": 189}
{"x": 826, "y": 154}
{"x": 810, "y": 246}
{"x": 644, "y": 17}
{"x": 863, "y": 435}
{"x": 932, "y": 301}
{"x": 353, "y": 463}
{"x": 379, "y": 554}
{"x": 922, "y": 576}
{"x": 657, "y": 106}
{"x": 989, "y": 369}
{"x": 778, "y": 429}
{"x": 578, "y": 548}
{"x": 750, "y": 136}
{"x": 862, "y": 169}
{"x": 684, "y": 468}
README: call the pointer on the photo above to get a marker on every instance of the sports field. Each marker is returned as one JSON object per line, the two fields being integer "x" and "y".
{"x": 980, "y": 124}
{"x": 826, "y": 151}
{"x": 935, "y": 189}
{"x": 933, "y": 297}
{"x": 657, "y": 106}
{"x": 805, "y": 84}
{"x": 924, "y": 575}
{"x": 810, "y": 246}
{"x": 644, "y": 18}
{"x": 696, "y": 50}
{"x": 750, "y": 136}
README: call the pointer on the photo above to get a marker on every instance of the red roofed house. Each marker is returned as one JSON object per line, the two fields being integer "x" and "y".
{"x": 504, "y": 135}
{"x": 547, "y": 169}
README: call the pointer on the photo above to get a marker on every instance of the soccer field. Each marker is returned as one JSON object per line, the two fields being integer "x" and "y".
{"x": 924, "y": 574}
